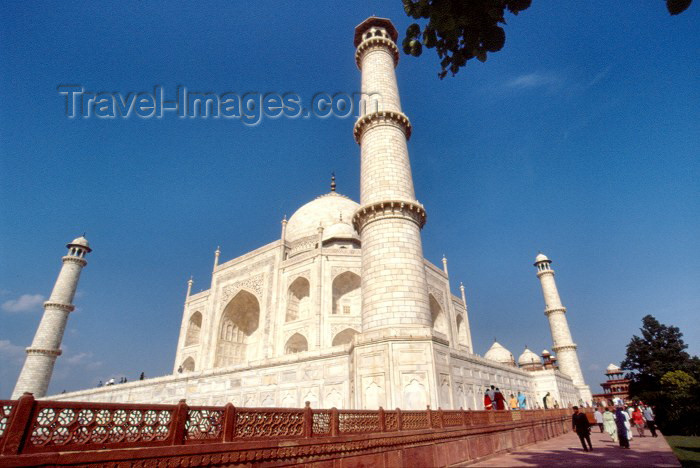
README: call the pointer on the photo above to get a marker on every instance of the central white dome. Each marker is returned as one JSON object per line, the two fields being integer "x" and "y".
{"x": 326, "y": 210}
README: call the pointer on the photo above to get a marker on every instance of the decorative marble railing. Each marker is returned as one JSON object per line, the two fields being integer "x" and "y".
{"x": 29, "y": 426}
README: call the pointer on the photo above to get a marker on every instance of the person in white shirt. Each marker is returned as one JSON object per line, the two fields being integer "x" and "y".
{"x": 598, "y": 418}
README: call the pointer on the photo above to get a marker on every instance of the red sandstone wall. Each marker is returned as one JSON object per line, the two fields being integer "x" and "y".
{"x": 83, "y": 434}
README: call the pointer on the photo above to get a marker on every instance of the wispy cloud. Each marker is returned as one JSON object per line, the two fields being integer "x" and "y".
{"x": 533, "y": 80}
{"x": 24, "y": 303}
{"x": 84, "y": 359}
{"x": 599, "y": 77}
{"x": 73, "y": 367}
{"x": 11, "y": 352}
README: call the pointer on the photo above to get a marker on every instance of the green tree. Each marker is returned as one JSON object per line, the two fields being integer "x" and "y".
{"x": 461, "y": 30}
{"x": 663, "y": 374}
{"x": 679, "y": 390}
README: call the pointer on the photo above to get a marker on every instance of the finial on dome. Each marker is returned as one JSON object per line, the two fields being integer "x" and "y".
{"x": 332, "y": 181}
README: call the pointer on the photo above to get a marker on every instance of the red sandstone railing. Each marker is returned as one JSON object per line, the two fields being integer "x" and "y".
{"x": 29, "y": 426}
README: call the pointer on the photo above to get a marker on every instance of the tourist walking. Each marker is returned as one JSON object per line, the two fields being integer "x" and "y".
{"x": 638, "y": 420}
{"x": 488, "y": 402}
{"x": 513, "y": 402}
{"x": 649, "y": 418}
{"x": 580, "y": 424}
{"x": 628, "y": 424}
{"x": 522, "y": 401}
{"x": 547, "y": 400}
{"x": 500, "y": 403}
{"x": 598, "y": 418}
{"x": 609, "y": 424}
{"x": 622, "y": 433}
{"x": 492, "y": 395}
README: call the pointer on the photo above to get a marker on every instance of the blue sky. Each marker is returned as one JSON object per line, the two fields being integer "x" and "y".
{"x": 580, "y": 138}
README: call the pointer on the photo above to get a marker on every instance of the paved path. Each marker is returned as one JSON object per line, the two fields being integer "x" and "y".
{"x": 566, "y": 451}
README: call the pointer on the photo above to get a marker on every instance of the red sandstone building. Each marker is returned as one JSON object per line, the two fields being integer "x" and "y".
{"x": 617, "y": 386}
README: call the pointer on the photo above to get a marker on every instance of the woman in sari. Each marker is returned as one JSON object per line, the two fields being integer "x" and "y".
{"x": 609, "y": 424}
{"x": 620, "y": 420}
{"x": 488, "y": 404}
{"x": 638, "y": 420}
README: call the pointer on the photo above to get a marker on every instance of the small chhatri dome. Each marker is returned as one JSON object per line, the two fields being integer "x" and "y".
{"x": 612, "y": 368}
{"x": 541, "y": 258}
{"x": 374, "y": 21}
{"x": 325, "y": 211}
{"x": 340, "y": 230}
{"x": 545, "y": 352}
{"x": 80, "y": 242}
{"x": 528, "y": 357}
{"x": 499, "y": 354}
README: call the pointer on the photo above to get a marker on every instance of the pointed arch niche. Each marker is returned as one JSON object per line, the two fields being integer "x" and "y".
{"x": 344, "y": 337}
{"x": 238, "y": 330}
{"x": 438, "y": 316}
{"x": 188, "y": 365}
{"x": 194, "y": 328}
{"x": 347, "y": 299}
{"x": 296, "y": 344}
{"x": 298, "y": 301}
{"x": 462, "y": 331}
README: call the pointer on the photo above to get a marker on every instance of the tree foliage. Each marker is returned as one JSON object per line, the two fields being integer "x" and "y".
{"x": 663, "y": 374}
{"x": 460, "y": 30}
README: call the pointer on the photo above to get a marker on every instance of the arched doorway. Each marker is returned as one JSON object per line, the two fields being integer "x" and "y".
{"x": 188, "y": 365}
{"x": 194, "y": 328}
{"x": 347, "y": 297}
{"x": 438, "y": 316}
{"x": 296, "y": 344}
{"x": 298, "y": 301}
{"x": 237, "y": 331}
{"x": 344, "y": 337}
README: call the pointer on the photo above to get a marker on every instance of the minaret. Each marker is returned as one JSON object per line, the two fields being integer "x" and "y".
{"x": 190, "y": 282}
{"x": 216, "y": 257}
{"x": 46, "y": 347}
{"x": 562, "y": 343}
{"x": 466, "y": 318}
{"x": 394, "y": 287}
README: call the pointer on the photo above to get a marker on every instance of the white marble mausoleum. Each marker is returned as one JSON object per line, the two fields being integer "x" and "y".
{"x": 342, "y": 310}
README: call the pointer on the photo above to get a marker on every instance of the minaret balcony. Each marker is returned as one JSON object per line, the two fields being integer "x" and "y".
{"x": 389, "y": 209}
{"x": 59, "y": 305}
{"x": 375, "y": 43}
{"x": 397, "y": 119}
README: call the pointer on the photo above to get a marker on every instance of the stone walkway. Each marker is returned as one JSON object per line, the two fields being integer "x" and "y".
{"x": 566, "y": 451}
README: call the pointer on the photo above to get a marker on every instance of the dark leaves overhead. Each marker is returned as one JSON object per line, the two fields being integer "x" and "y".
{"x": 677, "y": 6}
{"x": 460, "y": 30}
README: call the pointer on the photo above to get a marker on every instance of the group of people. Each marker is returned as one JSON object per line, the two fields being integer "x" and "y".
{"x": 121, "y": 381}
{"x": 618, "y": 422}
{"x": 494, "y": 400}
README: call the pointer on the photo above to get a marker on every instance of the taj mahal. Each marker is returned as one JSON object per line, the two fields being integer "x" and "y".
{"x": 342, "y": 310}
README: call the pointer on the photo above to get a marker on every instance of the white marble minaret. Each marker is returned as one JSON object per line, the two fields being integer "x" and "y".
{"x": 46, "y": 347}
{"x": 396, "y": 313}
{"x": 389, "y": 221}
{"x": 562, "y": 343}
